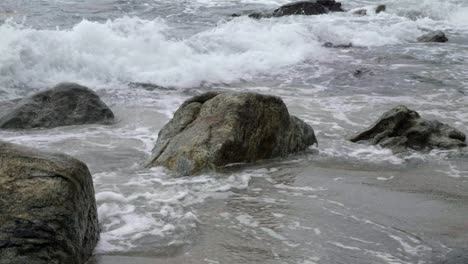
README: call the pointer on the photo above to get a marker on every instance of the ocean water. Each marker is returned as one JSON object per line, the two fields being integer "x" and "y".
{"x": 338, "y": 203}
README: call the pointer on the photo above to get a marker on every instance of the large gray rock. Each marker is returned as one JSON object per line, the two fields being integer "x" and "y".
{"x": 317, "y": 7}
{"x": 64, "y": 105}
{"x": 401, "y": 128}
{"x": 48, "y": 210}
{"x": 215, "y": 129}
{"x": 434, "y": 36}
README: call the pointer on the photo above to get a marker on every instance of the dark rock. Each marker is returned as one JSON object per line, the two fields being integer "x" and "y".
{"x": 401, "y": 128}
{"x": 215, "y": 129}
{"x": 359, "y": 73}
{"x": 235, "y": 15}
{"x": 330, "y": 5}
{"x": 48, "y": 209}
{"x": 317, "y": 7}
{"x": 363, "y": 11}
{"x": 435, "y": 36}
{"x": 259, "y": 15}
{"x": 65, "y": 104}
{"x": 380, "y": 8}
{"x": 338, "y": 46}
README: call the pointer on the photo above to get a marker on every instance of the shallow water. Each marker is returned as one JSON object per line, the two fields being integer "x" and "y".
{"x": 337, "y": 203}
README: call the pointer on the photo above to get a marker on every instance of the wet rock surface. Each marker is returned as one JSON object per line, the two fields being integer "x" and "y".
{"x": 215, "y": 129}
{"x": 337, "y": 46}
{"x": 435, "y": 36}
{"x": 48, "y": 208}
{"x": 308, "y": 8}
{"x": 64, "y": 105}
{"x": 401, "y": 128}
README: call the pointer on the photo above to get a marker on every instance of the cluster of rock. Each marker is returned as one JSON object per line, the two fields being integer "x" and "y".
{"x": 47, "y": 199}
{"x": 320, "y": 7}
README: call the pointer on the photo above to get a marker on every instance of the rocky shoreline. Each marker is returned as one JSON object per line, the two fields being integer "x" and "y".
{"x": 47, "y": 199}
{"x": 208, "y": 131}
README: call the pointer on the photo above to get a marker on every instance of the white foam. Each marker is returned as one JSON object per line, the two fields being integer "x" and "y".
{"x": 413, "y": 250}
{"x": 385, "y": 179}
{"x": 158, "y": 206}
{"x": 460, "y": 17}
{"x": 136, "y": 50}
{"x": 131, "y": 49}
{"x": 247, "y": 220}
{"x": 340, "y": 245}
{"x": 273, "y": 234}
{"x": 297, "y": 188}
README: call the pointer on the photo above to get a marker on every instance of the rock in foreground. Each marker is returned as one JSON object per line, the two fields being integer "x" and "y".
{"x": 215, "y": 129}
{"x": 317, "y": 7}
{"x": 64, "y": 105}
{"x": 48, "y": 210}
{"x": 402, "y": 128}
{"x": 435, "y": 36}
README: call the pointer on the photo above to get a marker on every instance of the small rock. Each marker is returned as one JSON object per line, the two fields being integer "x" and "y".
{"x": 64, "y": 105}
{"x": 435, "y": 36}
{"x": 48, "y": 210}
{"x": 213, "y": 129}
{"x": 339, "y": 46}
{"x": 359, "y": 73}
{"x": 380, "y": 8}
{"x": 401, "y": 128}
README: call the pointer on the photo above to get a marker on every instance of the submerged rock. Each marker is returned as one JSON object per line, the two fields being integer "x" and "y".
{"x": 215, "y": 129}
{"x": 401, "y": 128}
{"x": 258, "y": 15}
{"x": 48, "y": 210}
{"x": 435, "y": 36}
{"x": 361, "y": 72}
{"x": 64, "y": 105}
{"x": 456, "y": 256}
{"x": 338, "y": 46}
{"x": 363, "y": 11}
{"x": 149, "y": 86}
{"x": 360, "y": 12}
{"x": 317, "y": 7}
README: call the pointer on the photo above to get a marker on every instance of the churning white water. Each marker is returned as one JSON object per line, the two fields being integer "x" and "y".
{"x": 339, "y": 203}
